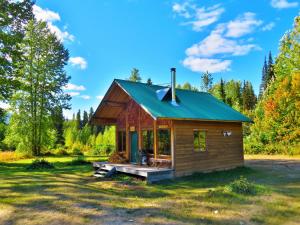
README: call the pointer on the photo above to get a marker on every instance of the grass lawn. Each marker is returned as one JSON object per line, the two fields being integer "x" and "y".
{"x": 69, "y": 195}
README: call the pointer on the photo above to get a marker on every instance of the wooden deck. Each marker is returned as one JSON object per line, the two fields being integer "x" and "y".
{"x": 152, "y": 174}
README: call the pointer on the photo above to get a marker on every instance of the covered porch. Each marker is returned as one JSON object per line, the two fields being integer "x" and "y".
{"x": 137, "y": 131}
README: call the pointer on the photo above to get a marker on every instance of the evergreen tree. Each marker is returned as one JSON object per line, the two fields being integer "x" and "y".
{"x": 270, "y": 69}
{"x": 207, "y": 81}
{"x": 222, "y": 90}
{"x": 91, "y": 113}
{"x": 14, "y": 15}
{"x": 58, "y": 121}
{"x": 78, "y": 120}
{"x": 149, "y": 81}
{"x": 263, "y": 84}
{"x": 85, "y": 119}
{"x": 135, "y": 75}
{"x": 42, "y": 75}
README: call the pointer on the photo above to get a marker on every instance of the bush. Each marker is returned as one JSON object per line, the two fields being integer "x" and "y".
{"x": 79, "y": 160}
{"x": 241, "y": 186}
{"x": 7, "y": 156}
{"x": 39, "y": 164}
{"x": 76, "y": 151}
{"x": 61, "y": 152}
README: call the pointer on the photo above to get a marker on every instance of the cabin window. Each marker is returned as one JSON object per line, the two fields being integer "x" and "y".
{"x": 164, "y": 142}
{"x": 199, "y": 140}
{"x": 121, "y": 141}
{"x": 147, "y": 141}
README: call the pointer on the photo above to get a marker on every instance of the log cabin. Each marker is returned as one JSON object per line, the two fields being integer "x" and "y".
{"x": 185, "y": 131}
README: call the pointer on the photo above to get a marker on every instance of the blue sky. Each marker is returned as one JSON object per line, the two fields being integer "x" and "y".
{"x": 107, "y": 38}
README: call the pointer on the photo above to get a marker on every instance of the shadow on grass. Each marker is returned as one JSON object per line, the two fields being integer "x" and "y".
{"x": 67, "y": 188}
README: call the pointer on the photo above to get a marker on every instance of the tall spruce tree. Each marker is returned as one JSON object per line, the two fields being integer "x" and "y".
{"x": 42, "y": 77}
{"x": 263, "y": 83}
{"x": 222, "y": 90}
{"x": 78, "y": 120}
{"x": 85, "y": 118}
{"x": 270, "y": 69}
{"x": 14, "y": 15}
{"x": 58, "y": 121}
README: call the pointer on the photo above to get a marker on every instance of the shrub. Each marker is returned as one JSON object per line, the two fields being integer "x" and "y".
{"x": 241, "y": 186}
{"x": 61, "y": 152}
{"x": 39, "y": 164}
{"x": 76, "y": 151}
{"x": 79, "y": 160}
{"x": 7, "y": 156}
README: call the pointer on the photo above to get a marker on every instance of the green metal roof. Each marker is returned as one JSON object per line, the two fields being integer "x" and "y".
{"x": 192, "y": 105}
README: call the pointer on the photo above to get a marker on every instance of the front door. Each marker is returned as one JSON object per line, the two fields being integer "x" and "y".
{"x": 133, "y": 147}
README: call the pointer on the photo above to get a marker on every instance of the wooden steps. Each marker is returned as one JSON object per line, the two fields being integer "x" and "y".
{"x": 102, "y": 172}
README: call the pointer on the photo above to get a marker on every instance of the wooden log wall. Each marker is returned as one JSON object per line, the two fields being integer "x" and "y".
{"x": 222, "y": 152}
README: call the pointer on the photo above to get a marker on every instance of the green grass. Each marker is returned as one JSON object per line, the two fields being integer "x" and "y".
{"x": 68, "y": 194}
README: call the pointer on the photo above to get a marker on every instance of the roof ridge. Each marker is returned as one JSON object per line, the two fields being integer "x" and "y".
{"x": 135, "y": 82}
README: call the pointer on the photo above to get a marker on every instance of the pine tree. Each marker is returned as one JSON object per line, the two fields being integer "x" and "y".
{"x": 91, "y": 113}
{"x": 135, "y": 75}
{"x": 207, "y": 81}
{"x": 248, "y": 96}
{"x": 58, "y": 121}
{"x": 85, "y": 119}
{"x": 270, "y": 69}
{"x": 222, "y": 90}
{"x": 78, "y": 120}
{"x": 263, "y": 84}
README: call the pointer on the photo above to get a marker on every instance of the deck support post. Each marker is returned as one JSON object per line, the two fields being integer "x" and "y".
{"x": 155, "y": 137}
{"x": 127, "y": 136}
{"x": 139, "y": 131}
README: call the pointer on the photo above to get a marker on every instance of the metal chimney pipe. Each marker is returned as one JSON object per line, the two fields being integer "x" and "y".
{"x": 173, "y": 85}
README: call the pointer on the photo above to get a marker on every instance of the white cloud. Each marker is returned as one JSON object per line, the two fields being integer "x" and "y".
{"x": 209, "y": 53}
{"x": 100, "y": 97}
{"x": 242, "y": 25}
{"x": 203, "y": 64}
{"x": 50, "y": 17}
{"x": 182, "y": 9}
{"x": 283, "y": 4}
{"x": 45, "y": 14}
{"x": 268, "y": 26}
{"x": 86, "y": 97}
{"x": 73, "y": 93}
{"x": 4, "y": 105}
{"x": 216, "y": 44}
{"x": 74, "y": 87}
{"x": 78, "y": 61}
{"x": 199, "y": 17}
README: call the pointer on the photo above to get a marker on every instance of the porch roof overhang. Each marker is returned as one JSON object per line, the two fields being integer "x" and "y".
{"x": 112, "y": 104}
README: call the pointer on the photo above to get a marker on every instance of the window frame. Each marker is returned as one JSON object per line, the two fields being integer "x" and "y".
{"x": 168, "y": 129}
{"x": 199, "y": 149}
{"x": 142, "y": 137}
{"x": 122, "y": 140}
